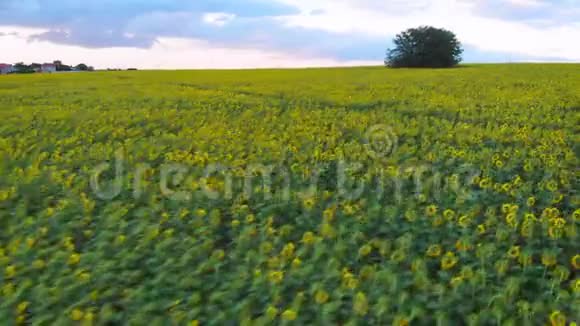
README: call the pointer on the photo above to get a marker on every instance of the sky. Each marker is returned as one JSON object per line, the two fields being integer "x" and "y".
{"x": 188, "y": 34}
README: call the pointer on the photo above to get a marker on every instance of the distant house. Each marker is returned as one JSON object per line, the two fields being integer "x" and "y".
{"x": 6, "y": 68}
{"x": 37, "y": 67}
{"x": 48, "y": 67}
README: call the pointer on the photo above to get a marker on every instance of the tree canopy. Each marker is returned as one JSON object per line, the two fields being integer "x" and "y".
{"x": 425, "y": 47}
{"x": 82, "y": 67}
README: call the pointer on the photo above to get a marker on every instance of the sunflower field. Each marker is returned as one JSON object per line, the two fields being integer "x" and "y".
{"x": 349, "y": 196}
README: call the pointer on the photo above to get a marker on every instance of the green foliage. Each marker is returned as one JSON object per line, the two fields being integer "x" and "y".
{"x": 424, "y": 47}
{"x": 21, "y": 68}
{"x": 501, "y": 248}
{"x": 82, "y": 67}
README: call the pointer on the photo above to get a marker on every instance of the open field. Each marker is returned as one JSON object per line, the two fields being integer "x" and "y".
{"x": 325, "y": 196}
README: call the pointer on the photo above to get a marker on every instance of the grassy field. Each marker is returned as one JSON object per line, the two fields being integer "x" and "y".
{"x": 326, "y": 196}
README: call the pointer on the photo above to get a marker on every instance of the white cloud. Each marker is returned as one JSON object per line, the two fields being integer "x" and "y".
{"x": 21, "y": 32}
{"x": 217, "y": 18}
{"x": 167, "y": 53}
{"x": 537, "y": 37}
{"x": 461, "y": 16}
{"x": 527, "y": 3}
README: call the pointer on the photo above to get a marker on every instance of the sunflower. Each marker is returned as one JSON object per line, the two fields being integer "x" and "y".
{"x": 10, "y": 271}
{"x": 576, "y": 215}
{"x": 361, "y": 304}
{"x": 39, "y": 264}
{"x": 463, "y": 245}
{"x": 456, "y": 281}
{"x": 200, "y": 212}
{"x": 464, "y": 221}
{"x": 431, "y": 210}
{"x": 271, "y": 312}
{"x": 552, "y": 185}
{"x": 398, "y": 255}
{"x": 529, "y": 217}
{"x": 449, "y": 214}
{"x": 365, "y": 250}
{"x": 438, "y": 221}
{"x": 76, "y": 314}
{"x": 555, "y": 232}
{"x": 506, "y": 187}
{"x": 557, "y": 199}
{"x": 22, "y": 307}
{"x": 309, "y": 203}
{"x": 575, "y": 285}
{"x": 327, "y": 231}
{"x": 557, "y": 318}
{"x": 288, "y": 250}
{"x": 548, "y": 259}
{"x": 559, "y": 222}
{"x": 575, "y": 262}
{"x": 485, "y": 183}
{"x": 276, "y": 277}
{"x": 308, "y": 238}
{"x": 511, "y": 220}
{"x": 74, "y": 259}
{"x": 434, "y": 250}
{"x": 514, "y": 252}
{"x": 321, "y": 297}
{"x": 250, "y": 218}
{"x": 561, "y": 272}
{"x": 289, "y": 315}
{"x": 505, "y": 208}
{"x": 297, "y": 262}
{"x": 352, "y": 283}
{"x": 349, "y": 209}
{"x": 448, "y": 261}
{"x": 328, "y": 214}
{"x": 527, "y": 230}
{"x": 401, "y": 321}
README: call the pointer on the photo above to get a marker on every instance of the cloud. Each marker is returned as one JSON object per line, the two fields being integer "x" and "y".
{"x": 166, "y": 53}
{"x": 70, "y": 10}
{"x": 475, "y": 29}
{"x": 527, "y": 3}
{"x": 265, "y": 33}
{"x": 94, "y": 39}
{"x": 217, "y": 18}
{"x": 103, "y": 23}
{"x": 317, "y": 12}
{"x": 533, "y": 12}
{"x": 340, "y": 29}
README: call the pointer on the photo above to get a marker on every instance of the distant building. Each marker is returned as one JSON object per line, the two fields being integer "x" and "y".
{"x": 37, "y": 67}
{"x": 48, "y": 67}
{"x": 6, "y": 68}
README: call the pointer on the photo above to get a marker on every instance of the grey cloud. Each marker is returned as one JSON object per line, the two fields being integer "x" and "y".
{"x": 92, "y": 39}
{"x": 105, "y": 23}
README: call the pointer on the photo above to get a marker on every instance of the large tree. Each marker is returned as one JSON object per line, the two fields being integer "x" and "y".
{"x": 425, "y": 46}
{"x": 21, "y": 68}
{"x": 82, "y": 67}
